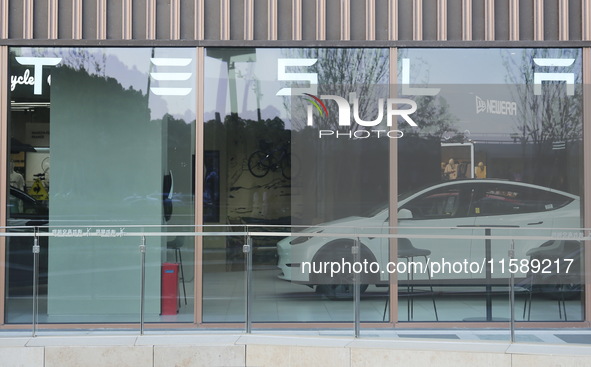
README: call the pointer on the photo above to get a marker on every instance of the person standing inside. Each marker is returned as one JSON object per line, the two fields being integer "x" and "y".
{"x": 480, "y": 170}
{"x": 451, "y": 170}
{"x": 16, "y": 179}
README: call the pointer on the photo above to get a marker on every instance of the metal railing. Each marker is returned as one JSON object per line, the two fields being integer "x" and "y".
{"x": 520, "y": 278}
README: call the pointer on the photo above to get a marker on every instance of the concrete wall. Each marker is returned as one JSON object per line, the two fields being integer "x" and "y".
{"x": 261, "y": 351}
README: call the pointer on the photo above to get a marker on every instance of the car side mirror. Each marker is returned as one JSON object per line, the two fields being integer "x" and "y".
{"x": 404, "y": 214}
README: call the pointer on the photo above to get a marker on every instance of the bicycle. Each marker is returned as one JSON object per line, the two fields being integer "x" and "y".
{"x": 262, "y": 161}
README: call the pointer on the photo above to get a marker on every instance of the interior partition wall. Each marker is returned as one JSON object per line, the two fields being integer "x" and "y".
{"x": 98, "y": 136}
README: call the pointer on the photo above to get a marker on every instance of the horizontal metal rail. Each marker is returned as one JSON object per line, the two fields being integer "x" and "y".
{"x": 352, "y": 234}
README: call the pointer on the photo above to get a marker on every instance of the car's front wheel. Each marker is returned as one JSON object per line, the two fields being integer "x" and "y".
{"x": 339, "y": 285}
{"x": 339, "y": 291}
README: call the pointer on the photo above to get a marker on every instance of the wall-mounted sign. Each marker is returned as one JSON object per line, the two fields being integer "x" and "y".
{"x": 30, "y": 77}
{"x": 24, "y": 79}
{"x": 496, "y": 107}
{"x": 37, "y": 134}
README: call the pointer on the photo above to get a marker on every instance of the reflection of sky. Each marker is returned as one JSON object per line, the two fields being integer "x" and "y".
{"x": 470, "y": 66}
{"x": 263, "y": 69}
{"x": 131, "y": 68}
{"x": 456, "y": 66}
{"x": 462, "y": 100}
{"x": 132, "y": 58}
{"x": 256, "y": 83}
{"x": 466, "y": 75}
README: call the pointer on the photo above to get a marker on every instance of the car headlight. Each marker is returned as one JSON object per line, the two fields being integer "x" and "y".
{"x": 302, "y": 239}
{"x": 298, "y": 240}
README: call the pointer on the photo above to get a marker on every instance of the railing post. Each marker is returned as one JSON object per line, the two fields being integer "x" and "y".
{"x": 247, "y": 249}
{"x": 488, "y": 286}
{"x": 357, "y": 287}
{"x": 36, "y": 250}
{"x": 143, "y": 282}
{"x": 512, "y": 292}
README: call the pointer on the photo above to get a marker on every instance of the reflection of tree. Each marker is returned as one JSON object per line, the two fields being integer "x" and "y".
{"x": 78, "y": 58}
{"x": 433, "y": 115}
{"x": 552, "y": 116}
{"x": 341, "y": 72}
{"x": 433, "y": 119}
{"x": 550, "y": 122}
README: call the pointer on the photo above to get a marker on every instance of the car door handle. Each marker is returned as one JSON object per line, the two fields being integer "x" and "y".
{"x": 533, "y": 224}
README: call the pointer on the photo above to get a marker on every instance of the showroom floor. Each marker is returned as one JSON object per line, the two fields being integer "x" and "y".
{"x": 276, "y": 300}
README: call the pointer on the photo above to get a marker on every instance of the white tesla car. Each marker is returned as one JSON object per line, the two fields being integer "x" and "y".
{"x": 444, "y": 211}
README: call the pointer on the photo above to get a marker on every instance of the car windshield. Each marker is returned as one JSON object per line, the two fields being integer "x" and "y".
{"x": 372, "y": 212}
{"x": 406, "y": 194}
{"x": 375, "y": 210}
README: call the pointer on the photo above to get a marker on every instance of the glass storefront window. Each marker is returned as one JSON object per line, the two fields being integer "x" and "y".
{"x": 303, "y": 138}
{"x": 498, "y": 144}
{"x": 297, "y": 141}
{"x": 287, "y": 163}
{"x": 99, "y": 137}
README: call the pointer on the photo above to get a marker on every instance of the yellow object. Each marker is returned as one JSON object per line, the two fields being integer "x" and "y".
{"x": 480, "y": 170}
{"x": 38, "y": 191}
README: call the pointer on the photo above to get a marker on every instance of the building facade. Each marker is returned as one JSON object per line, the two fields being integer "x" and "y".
{"x": 440, "y": 146}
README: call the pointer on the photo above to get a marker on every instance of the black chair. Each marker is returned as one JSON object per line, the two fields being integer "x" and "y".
{"x": 176, "y": 245}
{"x": 551, "y": 250}
{"x": 407, "y": 251}
{"x": 234, "y": 245}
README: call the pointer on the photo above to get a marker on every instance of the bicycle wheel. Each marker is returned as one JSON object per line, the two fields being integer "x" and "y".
{"x": 259, "y": 164}
{"x": 290, "y": 166}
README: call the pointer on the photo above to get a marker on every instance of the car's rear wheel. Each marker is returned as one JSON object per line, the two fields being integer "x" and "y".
{"x": 561, "y": 280}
